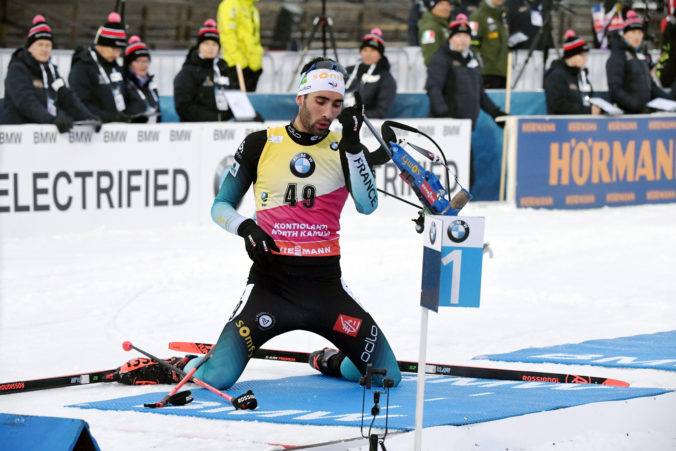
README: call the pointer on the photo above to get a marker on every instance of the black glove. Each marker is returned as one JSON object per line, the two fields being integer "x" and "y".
{"x": 259, "y": 245}
{"x": 351, "y": 119}
{"x": 63, "y": 123}
{"x": 119, "y": 117}
{"x": 99, "y": 122}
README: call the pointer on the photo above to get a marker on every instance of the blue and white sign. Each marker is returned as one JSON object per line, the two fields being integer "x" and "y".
{"x": 452, "y": 259}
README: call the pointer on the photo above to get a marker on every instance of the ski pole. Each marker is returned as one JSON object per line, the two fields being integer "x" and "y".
{"x": 245, "y": 401}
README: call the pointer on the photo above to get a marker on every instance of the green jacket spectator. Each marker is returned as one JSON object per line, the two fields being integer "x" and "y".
{"x": 433, "y": 27}
{"x": 491, "y": 42}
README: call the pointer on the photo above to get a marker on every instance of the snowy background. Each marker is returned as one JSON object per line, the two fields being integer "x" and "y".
{"x": 68, "y": 302}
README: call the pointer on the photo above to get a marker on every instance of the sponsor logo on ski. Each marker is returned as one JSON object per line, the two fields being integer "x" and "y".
{"x": 549, "y": 379}
{"x": 347, "y": 325}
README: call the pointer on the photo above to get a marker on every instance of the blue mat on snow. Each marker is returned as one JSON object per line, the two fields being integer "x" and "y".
{"x": 657, "y": 351}
{"x": 321, "y": 401}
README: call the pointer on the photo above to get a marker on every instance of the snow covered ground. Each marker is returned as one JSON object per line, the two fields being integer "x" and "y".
{"x": 67, "y": 303}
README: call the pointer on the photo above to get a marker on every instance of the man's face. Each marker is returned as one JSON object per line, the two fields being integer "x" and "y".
{"x": 460, "y": 42}
{"x": 317, "y": 110}
{"x": 634, "y": 37}
{"x": 41, "y": 50}
{"x": 497, "y": 3}
{"x": 108, "y": 53}
{"x": 442, "y": 9}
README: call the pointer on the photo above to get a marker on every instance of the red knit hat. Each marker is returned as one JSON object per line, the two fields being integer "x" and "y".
{"x": 135, "y": 48}
{"x": 208, "y": 31}
{"x": 573, "y": 45}
{"x": 460, "y": 25}
{"x": 633, "y": 21}
{"x": 39, "y": 30}
{"x": 374, "y": 39}
{"x": 111, "y": 33}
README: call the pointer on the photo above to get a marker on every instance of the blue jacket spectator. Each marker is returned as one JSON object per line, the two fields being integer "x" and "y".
{"x": 141, "y": 88}
{"x": 97, "y": 78}
{"x": 454, "y": 83}
{"x": 372, "y": 77}
{"x": 199, "y": 87}
{"x": 567, "y": 86}
{"x": 630, "y": 84}
{"x": 34, "y": 90}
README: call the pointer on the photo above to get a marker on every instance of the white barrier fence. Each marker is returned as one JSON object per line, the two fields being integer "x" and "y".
{"x": 137, "y": 175}
{"x": 278, "y": 68}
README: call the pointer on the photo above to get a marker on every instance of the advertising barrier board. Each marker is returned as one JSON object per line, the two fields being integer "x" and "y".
{"x": 149, "y": 175}
{"x": 586, "y": 162}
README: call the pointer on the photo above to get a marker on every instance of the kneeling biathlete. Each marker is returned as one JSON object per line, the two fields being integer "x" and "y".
{"x": 302, "y": 174}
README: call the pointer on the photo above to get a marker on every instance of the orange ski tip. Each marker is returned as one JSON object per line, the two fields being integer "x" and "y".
{"x": 616, "y": 383}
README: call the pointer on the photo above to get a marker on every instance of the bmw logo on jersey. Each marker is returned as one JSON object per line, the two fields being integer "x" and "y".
{"x": 302, "y": 165}
{"x": 458, "y": 231}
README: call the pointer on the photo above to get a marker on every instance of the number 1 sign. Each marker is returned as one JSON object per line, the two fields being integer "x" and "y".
{"x": 452, "y": 258}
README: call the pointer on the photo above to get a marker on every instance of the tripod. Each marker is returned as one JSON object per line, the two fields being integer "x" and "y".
{"x": 544, "y": 31}
{"x": 327, "y": 25}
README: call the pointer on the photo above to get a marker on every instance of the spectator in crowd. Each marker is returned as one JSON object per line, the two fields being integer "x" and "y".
{"x": 96, "y": 77}
{"x": 140, "y": 85}
{"x": 567, "y": 86}
{"x": 630, "y": 84}
{"x": 491, "y": 42}
{"x": 414, "y": 15}
{"x": 34, "y": 90}
{"x": 200, "y": 85}
{"x": 239, "y": 24}
{"x": 666, "y": 67}
{"x": 372, "y": 77}
{"x": 607, "y": 23}
{"x": 454, "y": 85}
{"x": 433, "y": 27}
{"x": 525, "y": 19}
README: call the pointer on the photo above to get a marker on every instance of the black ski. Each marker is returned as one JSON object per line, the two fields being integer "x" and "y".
{"x": 430, "y": 368}
{"x": 58, "y": 381}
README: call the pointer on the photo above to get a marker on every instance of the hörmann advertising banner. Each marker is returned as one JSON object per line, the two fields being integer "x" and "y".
{"x": 152, "y": 175}
{"x": 587, "y": 162}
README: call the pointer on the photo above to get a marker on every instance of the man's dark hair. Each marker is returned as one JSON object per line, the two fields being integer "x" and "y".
{"x": 314, "y": 60}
